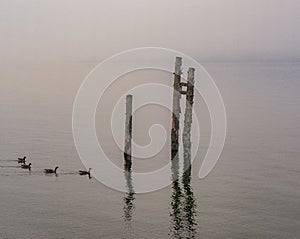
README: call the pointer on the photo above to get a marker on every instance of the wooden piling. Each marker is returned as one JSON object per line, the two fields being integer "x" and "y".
{"x": 176, "y": 107}
{"x": 186, "y": 137}
{"x": 128, "y": 131}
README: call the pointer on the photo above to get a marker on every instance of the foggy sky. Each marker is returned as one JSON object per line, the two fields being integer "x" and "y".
{"x": 91, "y": 30}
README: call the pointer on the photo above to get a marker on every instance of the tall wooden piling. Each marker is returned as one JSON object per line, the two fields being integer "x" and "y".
{"x": 128, "y": 131}
{"x": 176, "y": 107}
{"x": 186, "y": 138}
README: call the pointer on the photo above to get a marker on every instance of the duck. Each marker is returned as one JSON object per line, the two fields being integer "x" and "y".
{"x": 49, "y": 170}
{"x": 22, "y": 160}
{"x": 84, "y": 172}
{"x": 26, "y": 166}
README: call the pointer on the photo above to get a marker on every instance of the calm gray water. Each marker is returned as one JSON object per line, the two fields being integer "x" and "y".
{"x": 252, "y": 193}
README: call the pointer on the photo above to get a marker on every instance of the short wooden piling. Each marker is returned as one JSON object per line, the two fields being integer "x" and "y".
{"x": 176, "y": 107}
{"x": 128, "y": 131}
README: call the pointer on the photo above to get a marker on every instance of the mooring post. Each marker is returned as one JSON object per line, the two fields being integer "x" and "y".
{"x": 128, "y": 131}
{"x": 188, "y": 115}
{"x": 176, "y": 107}
{"x": 189, "y": 199}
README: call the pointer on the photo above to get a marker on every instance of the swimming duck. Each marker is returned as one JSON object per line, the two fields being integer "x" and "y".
{"x": 49, "y": 170}
{"x": 26, "y": 166}
{"x": 84, "y": 172}
{"x": 22, "y": 160}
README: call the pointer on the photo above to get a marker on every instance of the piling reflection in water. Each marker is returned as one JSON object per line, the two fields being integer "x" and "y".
{"x": 189, "y": 204}
{"x": 176, "y": 211}
{"x": 130, "y": 195}
{"x": 129, "y": 198}
{"x": 183, "y": 202}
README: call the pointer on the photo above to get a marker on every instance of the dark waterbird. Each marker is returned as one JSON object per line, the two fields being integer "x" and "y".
{"x": 22, "y": 160}
{"x": 49, "y": 170}
{"x": 26, "y": 166}
{"x": 84, "y": 172}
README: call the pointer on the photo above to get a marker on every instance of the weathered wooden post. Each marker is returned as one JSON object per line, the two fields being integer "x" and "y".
{"x": 128, "y": 131}
{"x": 176, "y": 107}
{"x": 189, "y": 199}
{"x": 188, "y": 115}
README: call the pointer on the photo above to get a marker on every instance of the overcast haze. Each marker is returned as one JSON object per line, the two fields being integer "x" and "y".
{"x": 214, "y": 30}
{"x": 251, "y": 48}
